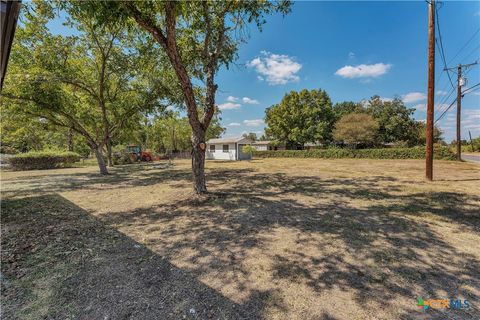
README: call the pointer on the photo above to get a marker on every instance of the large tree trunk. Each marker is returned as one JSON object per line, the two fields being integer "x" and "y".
{"x": 109, "y": 153}
{"x": 198, "y": 162}
{"x": 101, "y": 162}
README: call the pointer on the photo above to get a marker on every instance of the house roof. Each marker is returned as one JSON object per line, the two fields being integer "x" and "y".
{"x": 261, "y": 142}
{"x": 229, "y": 140}
{"x": 268, "y": 142}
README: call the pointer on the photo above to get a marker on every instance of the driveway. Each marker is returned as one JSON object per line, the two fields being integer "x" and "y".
{"x": 471, "y": 157}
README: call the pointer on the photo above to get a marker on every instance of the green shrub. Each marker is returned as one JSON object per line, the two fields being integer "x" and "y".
{"x": 248, "y": 149}
{"x": 43, "y": 160}
{"x": 443, "y": 153}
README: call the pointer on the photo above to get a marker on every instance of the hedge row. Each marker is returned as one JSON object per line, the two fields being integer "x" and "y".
{"x": 43, "y": 160}
{"x": 442, "y": 153}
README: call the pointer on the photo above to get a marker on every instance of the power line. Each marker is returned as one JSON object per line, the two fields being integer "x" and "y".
{"x": 471, "y": 52}
{"x": 445, "y": 99}
{"x": 473, "y": 90}
{"x": 440, "y": 45}
{"x": 448, "y": 95}
{"x": 444, "y": 112}
{"x": 445, "y": 87}
{"x": 466, "y": 44}
{"x": 469, "y": 90}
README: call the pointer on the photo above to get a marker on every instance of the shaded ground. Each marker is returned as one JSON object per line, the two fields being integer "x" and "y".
{"x": 279, "y": 239}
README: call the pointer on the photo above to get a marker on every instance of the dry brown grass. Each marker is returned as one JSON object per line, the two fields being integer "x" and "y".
{"x": 276, "y": 239}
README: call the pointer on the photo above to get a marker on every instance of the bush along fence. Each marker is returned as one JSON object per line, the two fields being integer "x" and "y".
{"x": 43, "y": 160}
{"x": 440, "y": 153}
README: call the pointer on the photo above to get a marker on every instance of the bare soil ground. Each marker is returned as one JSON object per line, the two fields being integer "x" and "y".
{"x": 276, "y": 239}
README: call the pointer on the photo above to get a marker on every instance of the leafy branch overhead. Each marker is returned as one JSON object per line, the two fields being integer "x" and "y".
{"x": 94, "y": 82}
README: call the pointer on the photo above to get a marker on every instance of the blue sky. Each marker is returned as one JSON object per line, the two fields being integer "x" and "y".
{"x": 353, "y": 50}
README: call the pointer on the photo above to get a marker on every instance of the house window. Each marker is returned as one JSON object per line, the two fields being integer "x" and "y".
{"x": 212, "y": 148}
{"x": 225, "y": 148}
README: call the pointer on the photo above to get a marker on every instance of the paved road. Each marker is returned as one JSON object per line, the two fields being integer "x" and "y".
{"x": 468, "y": 157}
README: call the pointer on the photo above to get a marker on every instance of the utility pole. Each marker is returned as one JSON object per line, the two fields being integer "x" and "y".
{"x": 431, "y": 91}
{"x": 471, "y": 141}
{"x": 459, "y": 111}
{"x": 460, "y": 83}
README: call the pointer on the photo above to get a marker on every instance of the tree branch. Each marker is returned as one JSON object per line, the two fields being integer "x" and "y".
{"x": 146, "y": 22}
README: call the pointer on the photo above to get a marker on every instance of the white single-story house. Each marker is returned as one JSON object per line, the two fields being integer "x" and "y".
{"x": 228, "y": 149}
{"x": 312, "y": 145}
{"x": 267, "y": 145}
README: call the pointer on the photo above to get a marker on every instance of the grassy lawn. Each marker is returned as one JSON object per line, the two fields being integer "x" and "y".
{"x": 277, "y": 239}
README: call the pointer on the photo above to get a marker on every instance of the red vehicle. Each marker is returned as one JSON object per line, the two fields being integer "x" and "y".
{"x": 138, "y": 155}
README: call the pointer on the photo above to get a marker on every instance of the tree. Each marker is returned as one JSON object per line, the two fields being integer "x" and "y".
{"x": 93, "y": 83}
{"x": 24, "y": 133}
{"x": 198, "y": 38}
{"x": 251, "y": 135}
{"x": 421, "y": 130}
{"x": 301, "y": 117}
{"x": 342, "y": 108}
{"x": 356, "y": 128}
{"x": 394, "y": 119}
{"x": 172, "y": 133}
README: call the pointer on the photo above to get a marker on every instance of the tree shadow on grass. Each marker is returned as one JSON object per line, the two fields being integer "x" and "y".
{"x": 120, "y": 177}
{"x": 381, "y": 252}
{"x": 59, "y": 262}
{"x": 363, "y": 236}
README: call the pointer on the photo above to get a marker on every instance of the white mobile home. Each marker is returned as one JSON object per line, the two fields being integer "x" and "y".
{"x": 227, "y": 149}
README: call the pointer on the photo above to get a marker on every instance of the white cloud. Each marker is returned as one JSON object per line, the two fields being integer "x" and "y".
{"x": 473, "y": 127}
{"x": 363, "y": 70}
{"x": 441, "y": 93}
{"x": 472, "y": 114}
{"x": 351, "y": 55}
{"x": 247, "y": 100}
{"x": 471, "y": 119}
{"x": 229, "y": 106}
{"x": 233, "y": 124}
{"x": 413, "y": 97}
{"x": 275, "y": 68}
{"x": 232, "y": 99}
{"x": 253, "y": 122}
{"x": 420, "y": 107}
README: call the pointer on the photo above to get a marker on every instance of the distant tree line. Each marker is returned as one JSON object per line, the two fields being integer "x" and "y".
{"x": 309, "y": 117}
